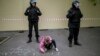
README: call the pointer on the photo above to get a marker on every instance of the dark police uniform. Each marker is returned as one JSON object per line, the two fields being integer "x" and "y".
{"x": 74, "y": 15}
{"x": 33, "y": 13}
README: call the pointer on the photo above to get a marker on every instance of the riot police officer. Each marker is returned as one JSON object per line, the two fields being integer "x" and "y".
{"x": 33, "y": 13}
{"x": 74, "y": 15}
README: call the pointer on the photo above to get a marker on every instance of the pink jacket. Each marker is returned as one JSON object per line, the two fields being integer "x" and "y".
{"x": 41, "y": 44}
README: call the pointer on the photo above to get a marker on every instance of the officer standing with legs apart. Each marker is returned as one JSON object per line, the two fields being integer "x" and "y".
{"x": 74, "y": 15}
{"x": 33, "y": 12}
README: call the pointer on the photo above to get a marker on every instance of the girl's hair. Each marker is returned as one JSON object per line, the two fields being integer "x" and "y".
{"x": 48, "y": 39}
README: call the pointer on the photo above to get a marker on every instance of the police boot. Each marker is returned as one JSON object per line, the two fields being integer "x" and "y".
{"x": 30, "y": 39}
{"x": 77, "y": 43}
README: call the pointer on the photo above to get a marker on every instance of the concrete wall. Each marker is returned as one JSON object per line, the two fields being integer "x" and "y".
{"x": 54, "y": 14}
